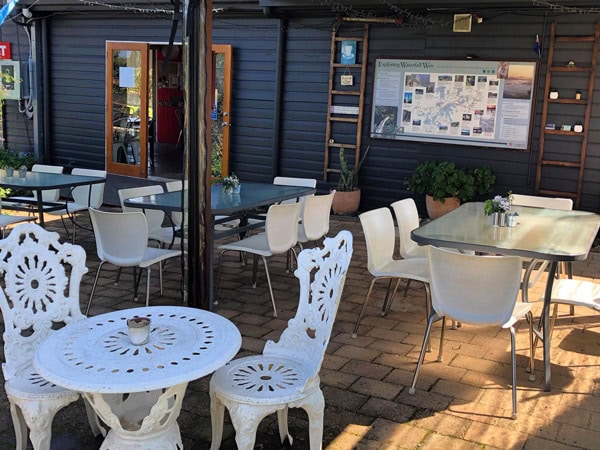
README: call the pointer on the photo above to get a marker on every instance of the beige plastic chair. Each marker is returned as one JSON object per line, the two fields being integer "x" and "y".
{"x": 280, "y": 237}
{"x": 32, "y": 259}
{"x": 380, "y": 236}
{"x": 155, "y": 217}
{"x": 84, "y": 197}
{"x": 534, "y": 268}
{"x": 122, "y": 240}
{"x": 286, "y": 374}
{"x": 315, "y": 218}
{"x": 476, "y": 290}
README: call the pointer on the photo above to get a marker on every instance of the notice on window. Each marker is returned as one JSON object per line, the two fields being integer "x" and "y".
{"x": 126, "y": 77}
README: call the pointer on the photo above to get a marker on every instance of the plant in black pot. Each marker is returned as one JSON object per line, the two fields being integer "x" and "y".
{"x": 347, "y": 196}
{"x": 445, "y": 185}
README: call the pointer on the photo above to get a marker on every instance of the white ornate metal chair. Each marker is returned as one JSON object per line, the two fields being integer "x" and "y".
{"x": 40, "y": 290}
{"x": 286, "y": 375}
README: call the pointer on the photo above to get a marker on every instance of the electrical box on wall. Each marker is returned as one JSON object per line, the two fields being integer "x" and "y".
{"x": 462, "y": 23}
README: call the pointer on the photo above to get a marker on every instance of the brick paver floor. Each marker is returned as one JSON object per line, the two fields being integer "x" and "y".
{"x": 463, "y": 402}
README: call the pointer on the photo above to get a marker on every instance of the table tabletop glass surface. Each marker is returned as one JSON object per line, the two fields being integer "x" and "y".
{"x": 43, "y": 180}
{"x": 541, "y": 233}
{"x": 96, "y": 355}
{"x": 252, "y": 195}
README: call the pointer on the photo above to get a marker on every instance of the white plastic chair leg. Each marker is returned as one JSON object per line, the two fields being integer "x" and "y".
{"x": 148, "y": 287}
{"x": 87, "y": 310}
{"x": 270, "y": 287}
{"x": 513, "y": 360}
{"x": 430, "y": 321}
{"x": 362, "y": 310}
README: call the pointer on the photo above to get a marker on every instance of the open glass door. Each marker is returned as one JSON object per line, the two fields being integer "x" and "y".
{"x": 127, "y": 108}
{"x": 221, "y": 110}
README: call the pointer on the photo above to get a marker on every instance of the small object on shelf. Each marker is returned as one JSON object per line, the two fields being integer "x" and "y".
{"x": 578, "y": 128}
{"x": 578, "y": 95}
{"x": 550, "y": 126}
{"x": 347, "y": 80}
{"x": 566, "y": 128}
{"x": 571, "y": 63}
{"x": 553, "y": 94}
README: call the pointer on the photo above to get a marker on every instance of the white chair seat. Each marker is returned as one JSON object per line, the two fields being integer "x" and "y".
{"x": 257, "y": 243}
{"x": 31, "y": 385}
{"x": 262, "y": 379}
{"x": 413, "y": 268}
{"x": 155, "y": 255}
{"x": 577, "y": 293}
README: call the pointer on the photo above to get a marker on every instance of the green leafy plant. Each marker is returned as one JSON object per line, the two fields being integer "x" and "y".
{"x": 443, "y": 179}
{"x": 15, "y": 159}
{"x": 349, "y": 176}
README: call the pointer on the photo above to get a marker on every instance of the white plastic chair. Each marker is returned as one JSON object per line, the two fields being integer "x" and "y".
{"x": 84, "y": 197}
{"x": 48, "y": 195}
{"x": 154, "y": 217}
{"x": 315, "y": 218}
{"x": 380, "y": 236}
{"x": 280, "y": 237}
{"x": 122, "y": 240}
{"x": 286, "y": 375}
{"x": 40, "y": 289}
{"x": 476, "y": 290}
{"x": 534, "y": 268}
{"x": 7, "y": 219}
{"x": 407, "y": 217}
{"x": 290, "y": 181}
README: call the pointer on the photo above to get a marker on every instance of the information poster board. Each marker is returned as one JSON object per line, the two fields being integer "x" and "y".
{"x": 466, "y": 102}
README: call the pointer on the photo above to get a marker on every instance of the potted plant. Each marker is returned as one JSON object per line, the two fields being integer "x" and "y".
{"x": 445, "y": 185}
{"x": 347, "y": 195}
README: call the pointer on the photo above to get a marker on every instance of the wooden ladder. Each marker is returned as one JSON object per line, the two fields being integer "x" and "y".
{"x": 548, "y": 135}
{"x": 345, "y": 100}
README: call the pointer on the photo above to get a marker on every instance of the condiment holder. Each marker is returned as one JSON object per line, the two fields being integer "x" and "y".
{"x": 139, "y": 330}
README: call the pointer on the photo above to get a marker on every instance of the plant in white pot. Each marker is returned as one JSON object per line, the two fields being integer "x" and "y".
{"x": 347, "y": 195}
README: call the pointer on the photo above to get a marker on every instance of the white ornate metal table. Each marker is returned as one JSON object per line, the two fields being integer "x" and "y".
{"x": 137, "y": 390}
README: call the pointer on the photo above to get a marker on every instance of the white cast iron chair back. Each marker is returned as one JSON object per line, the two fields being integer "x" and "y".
{"x": 286, "y": 375}
{"x": 40, "y": 290}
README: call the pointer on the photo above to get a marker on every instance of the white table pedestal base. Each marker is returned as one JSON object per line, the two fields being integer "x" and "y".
{"x": 141, "y": 420}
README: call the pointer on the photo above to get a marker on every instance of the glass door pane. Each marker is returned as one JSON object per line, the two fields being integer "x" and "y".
{"x": 127, "y": 108}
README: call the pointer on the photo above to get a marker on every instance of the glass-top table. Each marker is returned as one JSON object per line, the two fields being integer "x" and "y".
{"x": 41, "y": 181}
{"x": 225, "y": 207}
{"x": 547, "y": 234}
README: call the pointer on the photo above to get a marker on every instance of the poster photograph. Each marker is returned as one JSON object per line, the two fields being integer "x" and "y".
{"x": 480, "y": 103}
{"x": 11, "y": 80}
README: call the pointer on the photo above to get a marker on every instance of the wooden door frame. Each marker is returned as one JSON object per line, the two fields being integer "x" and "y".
{"x": 137, "y": 170}
{"x": 226, "y": 50}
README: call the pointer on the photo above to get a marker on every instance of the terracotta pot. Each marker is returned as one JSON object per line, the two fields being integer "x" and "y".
{"x": 346, "y": 202}
{"x": 436, "y": 208}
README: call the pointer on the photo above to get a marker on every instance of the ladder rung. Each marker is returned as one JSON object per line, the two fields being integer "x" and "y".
{"x": 345, "y": 92}
{"x": 349, "y": 38}
{"x": 589, "y": 38}
{"x": 344, "y": 119}
{"x": 558, "y": 193}
{"x": 338, "y": 144}
{"x": 334, "y": 170}
{"x": 547, "y": 162}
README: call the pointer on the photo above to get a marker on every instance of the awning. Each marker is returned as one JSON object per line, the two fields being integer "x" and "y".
{"x": 7, "y": 9}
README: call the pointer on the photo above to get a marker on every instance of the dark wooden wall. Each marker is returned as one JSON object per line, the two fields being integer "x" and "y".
{"x": 290, "y": 141}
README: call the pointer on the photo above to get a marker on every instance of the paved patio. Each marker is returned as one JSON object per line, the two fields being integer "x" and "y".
{"x": 463, "y": 402}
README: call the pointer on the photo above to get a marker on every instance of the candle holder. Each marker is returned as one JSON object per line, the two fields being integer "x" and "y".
{"x": 139, "y": 330}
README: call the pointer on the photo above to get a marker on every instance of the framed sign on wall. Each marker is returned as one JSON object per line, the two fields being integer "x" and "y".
{"x": 10, "y": 80}
{"x": 463, "y": 102}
